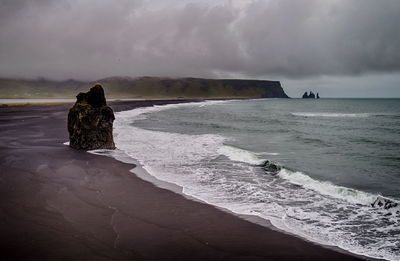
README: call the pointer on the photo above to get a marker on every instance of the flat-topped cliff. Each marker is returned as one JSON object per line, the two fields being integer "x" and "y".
{"x": 145, "y": 88}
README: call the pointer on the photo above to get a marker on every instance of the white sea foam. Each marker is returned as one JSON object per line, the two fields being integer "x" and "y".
{"x": 327, "y": 188}
{"x": 324, "y": 187}
{"x": 298, "y": 178}
{"x": 267, "y": 153}
{"x": 328, "y": 114}
{"x": 241, "y": 155}
{"x": 317, "y": 210}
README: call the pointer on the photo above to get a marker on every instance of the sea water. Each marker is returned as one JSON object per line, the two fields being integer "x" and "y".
{"x": 337, "y": 156}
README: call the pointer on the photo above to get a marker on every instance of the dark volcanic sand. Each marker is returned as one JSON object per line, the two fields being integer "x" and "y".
{"x": 62, "y": 204}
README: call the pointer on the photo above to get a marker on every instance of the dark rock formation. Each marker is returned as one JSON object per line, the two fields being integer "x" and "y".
{"x": 90, "y": 121}
{"x": 270, "y": 167}
{"x": 386, "y": 203}
{"x": 310, "y": 96}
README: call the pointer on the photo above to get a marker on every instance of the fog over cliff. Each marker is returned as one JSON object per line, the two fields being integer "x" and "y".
{"x": 330, "y": 46}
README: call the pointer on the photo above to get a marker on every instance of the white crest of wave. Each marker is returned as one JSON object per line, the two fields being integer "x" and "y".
{"x": 237, "y": 154}
{"x": 333, "y": 115}
{"x": 140, "y": 113}
{"x": 327, "y": 188}
{"x": 268, "y": 153}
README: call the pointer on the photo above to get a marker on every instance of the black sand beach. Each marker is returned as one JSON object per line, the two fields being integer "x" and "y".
{"x": 62, "y": 204}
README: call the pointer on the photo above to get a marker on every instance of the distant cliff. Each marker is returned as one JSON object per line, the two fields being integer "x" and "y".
{"x": 145, "y": 88}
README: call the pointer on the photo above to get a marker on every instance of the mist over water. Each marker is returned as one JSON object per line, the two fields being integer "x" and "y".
{"x": 337, "y": 156}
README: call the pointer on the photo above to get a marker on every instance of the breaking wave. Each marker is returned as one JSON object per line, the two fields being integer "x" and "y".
{"x": 298, "y": 178}
{"x": 336, "y": 115}
{"x": 229, "y": 177}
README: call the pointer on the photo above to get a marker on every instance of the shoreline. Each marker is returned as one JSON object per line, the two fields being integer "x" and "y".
{"x": 139, "y": 171}
{"x": 61, "y": 203}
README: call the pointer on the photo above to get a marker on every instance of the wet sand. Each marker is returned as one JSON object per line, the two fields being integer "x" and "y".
{"x": 58, "y": 203}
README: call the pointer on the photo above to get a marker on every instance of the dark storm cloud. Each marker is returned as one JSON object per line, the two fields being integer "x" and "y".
{"x": 90, "y": 39}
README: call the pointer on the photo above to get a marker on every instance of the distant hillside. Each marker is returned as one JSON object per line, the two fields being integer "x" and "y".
{"x": 144, "y": 88}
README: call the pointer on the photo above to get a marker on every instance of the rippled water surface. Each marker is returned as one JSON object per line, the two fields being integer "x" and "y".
{"x": 338, "y": 156}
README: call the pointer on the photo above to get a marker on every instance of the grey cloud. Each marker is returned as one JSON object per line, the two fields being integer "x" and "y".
{"x": 90, "y": 39}
{"x": 308, "y": 38}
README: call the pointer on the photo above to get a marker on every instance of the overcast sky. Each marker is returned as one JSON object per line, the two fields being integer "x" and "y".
{"x": 335, "y": 47}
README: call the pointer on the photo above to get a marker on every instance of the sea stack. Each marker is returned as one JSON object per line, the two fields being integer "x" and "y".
{"x": 310, "y": 96}
{"x": 90, "y": 121}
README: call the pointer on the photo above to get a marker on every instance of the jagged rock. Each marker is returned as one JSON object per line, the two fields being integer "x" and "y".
{"x": 310, "y": 96}
{"x": 270, "y": 167}
{"x": 90, "y": 121}
{"x": 386, "y": 203}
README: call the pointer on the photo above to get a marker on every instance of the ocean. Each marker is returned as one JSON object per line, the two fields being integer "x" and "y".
{"x": 337, "y": 157}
